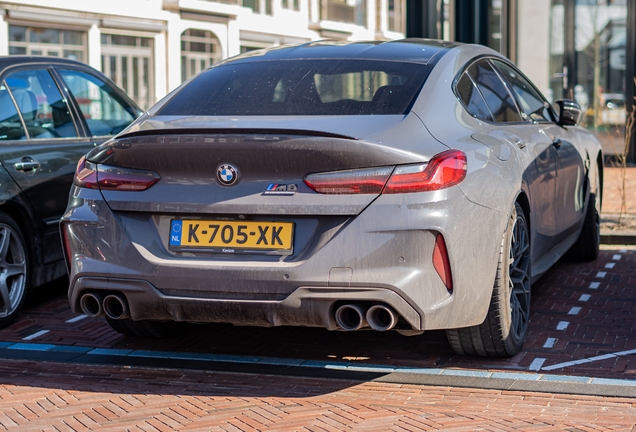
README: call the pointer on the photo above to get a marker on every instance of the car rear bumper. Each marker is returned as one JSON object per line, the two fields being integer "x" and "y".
{"x": 382, "y": 256}
{"x": 305, "y": 306}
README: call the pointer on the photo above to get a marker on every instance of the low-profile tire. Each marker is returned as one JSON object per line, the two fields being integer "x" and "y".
{"x": 14, "y": 270}
{"x": 147, "y": 329}
{"x": 503, "y": 332}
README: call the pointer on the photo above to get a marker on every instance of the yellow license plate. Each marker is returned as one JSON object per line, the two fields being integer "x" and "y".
{"x": 229, "y": 235}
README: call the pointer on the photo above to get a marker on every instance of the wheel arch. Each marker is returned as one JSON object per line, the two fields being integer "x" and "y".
{"x": 600, "y": 167}
{"x": 524, "y": 202}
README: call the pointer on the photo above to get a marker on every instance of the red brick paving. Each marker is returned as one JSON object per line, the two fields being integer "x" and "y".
{"x": 46, "y": 396}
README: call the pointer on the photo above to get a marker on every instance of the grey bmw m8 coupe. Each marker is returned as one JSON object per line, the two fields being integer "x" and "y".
{"x": 406, "y": 185}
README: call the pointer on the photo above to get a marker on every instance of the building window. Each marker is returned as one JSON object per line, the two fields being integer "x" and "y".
{"x": 129, "y": 62}
{"x": 50, "y": 42}
{"x": 255, "y": 5}
{"x": 200, "y": 49}
{"x": 289, "y": 4}
{"x": 396, "y": 15}
{"x": 349, "y": 11}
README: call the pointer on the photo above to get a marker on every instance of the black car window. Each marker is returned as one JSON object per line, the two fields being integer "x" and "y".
{"x": 104, "y": 111}
{"x": 533, "y": 106}
{"x": 44, "y": 110}
{"x": 499, "y": 100}
{"x": 10, "y": 124}
{"x": 301, "y": 87}
{"x": 473, "y": 100}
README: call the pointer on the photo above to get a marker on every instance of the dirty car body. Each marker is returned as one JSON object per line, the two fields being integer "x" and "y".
{"x": 336, "y": 185}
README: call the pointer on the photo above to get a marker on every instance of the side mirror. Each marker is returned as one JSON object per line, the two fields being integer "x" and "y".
{"x": 569, "y": 112}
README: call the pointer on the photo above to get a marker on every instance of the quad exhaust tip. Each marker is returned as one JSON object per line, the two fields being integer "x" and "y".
{"x": 381, "y": 317}
{"x": 96, "y": 304}
{"x": 116, "y": 306}
{"x": 351, "y": 317}
{"x": 91, "y": 304}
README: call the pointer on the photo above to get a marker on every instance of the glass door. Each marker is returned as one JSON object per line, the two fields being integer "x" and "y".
{"x": 600, "y": 48}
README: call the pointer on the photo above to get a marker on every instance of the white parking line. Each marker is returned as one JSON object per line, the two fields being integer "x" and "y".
{"x": 536, "y": 364}
{"x": 594, "y": 285}
{"x": 616, "y": 257}
{"x": 610, "y": 265}
{"x": 600, "y": 275}
{"x": 584, "y": 297}
{"x": 549, "y": 343}
{"x": 562, "y": 325}
{"x": 590, "y": 359}
{"x": 36, "y": 335}
{"x": 76, "y": 319}
{"x": 575, "y": 310}
{"x": 623, "y": 250}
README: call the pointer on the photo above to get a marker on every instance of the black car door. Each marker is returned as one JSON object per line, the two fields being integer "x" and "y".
{"x": 40, "y": 146}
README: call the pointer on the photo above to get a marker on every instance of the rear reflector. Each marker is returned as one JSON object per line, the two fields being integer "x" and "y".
{"x": 441, "y": 263}
{"x": 444, "y": 170}
{"x": 105, "y": 177}
{"x": 359, "y": 181}
{"x": 66, "y": 245}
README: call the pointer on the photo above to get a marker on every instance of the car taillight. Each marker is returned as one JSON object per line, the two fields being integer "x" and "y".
{"x": 444, "y": 170}
{"x": 106, "y": 177}
{"x": 358, "y": 181}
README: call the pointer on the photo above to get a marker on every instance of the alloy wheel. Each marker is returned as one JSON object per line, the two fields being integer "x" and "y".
{"x": 519, "y": 278}
{"x": 13, "y": 270}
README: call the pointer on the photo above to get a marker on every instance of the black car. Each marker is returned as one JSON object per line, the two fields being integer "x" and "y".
{"x": 52, "y": 111}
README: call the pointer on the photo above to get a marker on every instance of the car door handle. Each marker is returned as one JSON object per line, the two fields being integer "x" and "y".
{"x": 27, "y": 164}
{"x": 520, "y": 143}
{"x": 557, "y": 143}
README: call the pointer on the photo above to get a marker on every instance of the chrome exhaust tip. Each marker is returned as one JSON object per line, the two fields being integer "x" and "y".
{"x": 91, "y": 304}
{"x": 350, "y": 317}
{"x": 116, "y": 306}
{"x": 381, "y": 317}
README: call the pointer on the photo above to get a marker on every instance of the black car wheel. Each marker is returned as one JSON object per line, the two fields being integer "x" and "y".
{"x": 503, "y": 332}
{"x": 14, "y": 270}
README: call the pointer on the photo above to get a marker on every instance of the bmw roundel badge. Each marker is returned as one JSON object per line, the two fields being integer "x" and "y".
{"x": 227, "y": 174}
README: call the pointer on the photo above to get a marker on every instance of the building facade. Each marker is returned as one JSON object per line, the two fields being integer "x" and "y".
{"x": 149, "y": 47}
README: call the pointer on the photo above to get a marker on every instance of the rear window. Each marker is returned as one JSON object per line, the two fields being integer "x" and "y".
{"x": 301, "y": 87}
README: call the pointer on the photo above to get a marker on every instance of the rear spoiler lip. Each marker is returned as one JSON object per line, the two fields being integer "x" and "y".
{"x": 236, "y": 131}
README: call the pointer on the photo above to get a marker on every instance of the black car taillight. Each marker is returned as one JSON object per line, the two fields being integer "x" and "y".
{"x": 444, "y": 170}
{"x": 105, "y": 177}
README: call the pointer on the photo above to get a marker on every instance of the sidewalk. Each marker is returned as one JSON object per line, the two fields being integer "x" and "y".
{"x": 617, "y": 228}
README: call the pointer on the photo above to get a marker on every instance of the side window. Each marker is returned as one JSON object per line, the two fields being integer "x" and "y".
{"x": 533, "y": 106}
{"x": 105, "y": 112}
{"x": 10, "y": 125}
{"x": 499, "y": 100}
{"x": 44, "y": 110}
{"x": 473, "y": 100}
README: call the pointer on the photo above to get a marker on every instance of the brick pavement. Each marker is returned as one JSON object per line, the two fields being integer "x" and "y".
{"x": 47, "y": 396}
